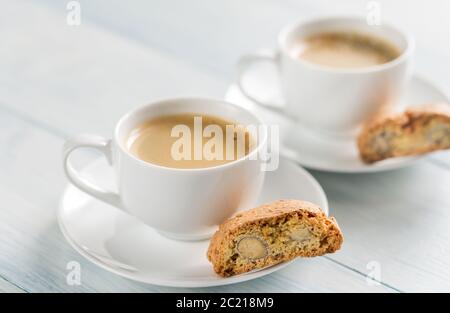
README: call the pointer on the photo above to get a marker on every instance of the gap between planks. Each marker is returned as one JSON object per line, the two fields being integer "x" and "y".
{"x": 7, "y": 286}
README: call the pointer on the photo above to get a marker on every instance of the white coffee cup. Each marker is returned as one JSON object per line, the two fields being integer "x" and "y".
{"x": 330, "y": 100}
{"x": 184, "y": 204}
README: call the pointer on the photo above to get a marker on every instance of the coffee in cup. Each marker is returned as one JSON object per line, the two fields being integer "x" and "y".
{"x": 335, "y": 73}
{"x": 189, "y": 140}
{"x": 345, "y": 49}
{"x": 184, "y": 201}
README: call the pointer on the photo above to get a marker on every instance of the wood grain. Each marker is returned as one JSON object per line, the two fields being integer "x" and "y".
{"x": 399, "y": 219}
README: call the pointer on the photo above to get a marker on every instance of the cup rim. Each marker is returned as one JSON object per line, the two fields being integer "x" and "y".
{"x": 143, "y": 107}
{"x": 406, "y": 53}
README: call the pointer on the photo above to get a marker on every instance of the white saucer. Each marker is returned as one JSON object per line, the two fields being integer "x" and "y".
{"x": 123, "y": 245}
{"x": 317, "y": 152}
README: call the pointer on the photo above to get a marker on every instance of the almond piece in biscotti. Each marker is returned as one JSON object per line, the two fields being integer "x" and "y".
{"x": 251, "y": 247}
{"x": 300, "y": 234}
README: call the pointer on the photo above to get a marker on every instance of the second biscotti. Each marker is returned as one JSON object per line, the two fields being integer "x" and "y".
{"x": 416, "y": 131}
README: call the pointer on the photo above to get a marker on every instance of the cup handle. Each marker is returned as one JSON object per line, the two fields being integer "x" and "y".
{"x": 95, "y": 142}
{"x": 245, "y": 62}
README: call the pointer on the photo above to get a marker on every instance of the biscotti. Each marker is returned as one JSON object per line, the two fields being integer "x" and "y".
{"x": 416, "y": 131}
{"x": 270, "y": 234}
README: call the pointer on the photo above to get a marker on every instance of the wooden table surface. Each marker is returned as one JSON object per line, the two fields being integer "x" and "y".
{"x": 58, "y": 80}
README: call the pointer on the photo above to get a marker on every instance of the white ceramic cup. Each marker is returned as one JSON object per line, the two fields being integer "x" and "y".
{"x": 330, "y": 100}
{"x": 184, "y": 204}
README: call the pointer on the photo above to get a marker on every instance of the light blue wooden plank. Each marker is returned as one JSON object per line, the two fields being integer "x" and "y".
{"x": 399, "y": 219}
{"x": 84, "y": 78}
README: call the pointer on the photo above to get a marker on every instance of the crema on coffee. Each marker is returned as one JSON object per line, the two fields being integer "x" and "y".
{"x": 345, "y": 49}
